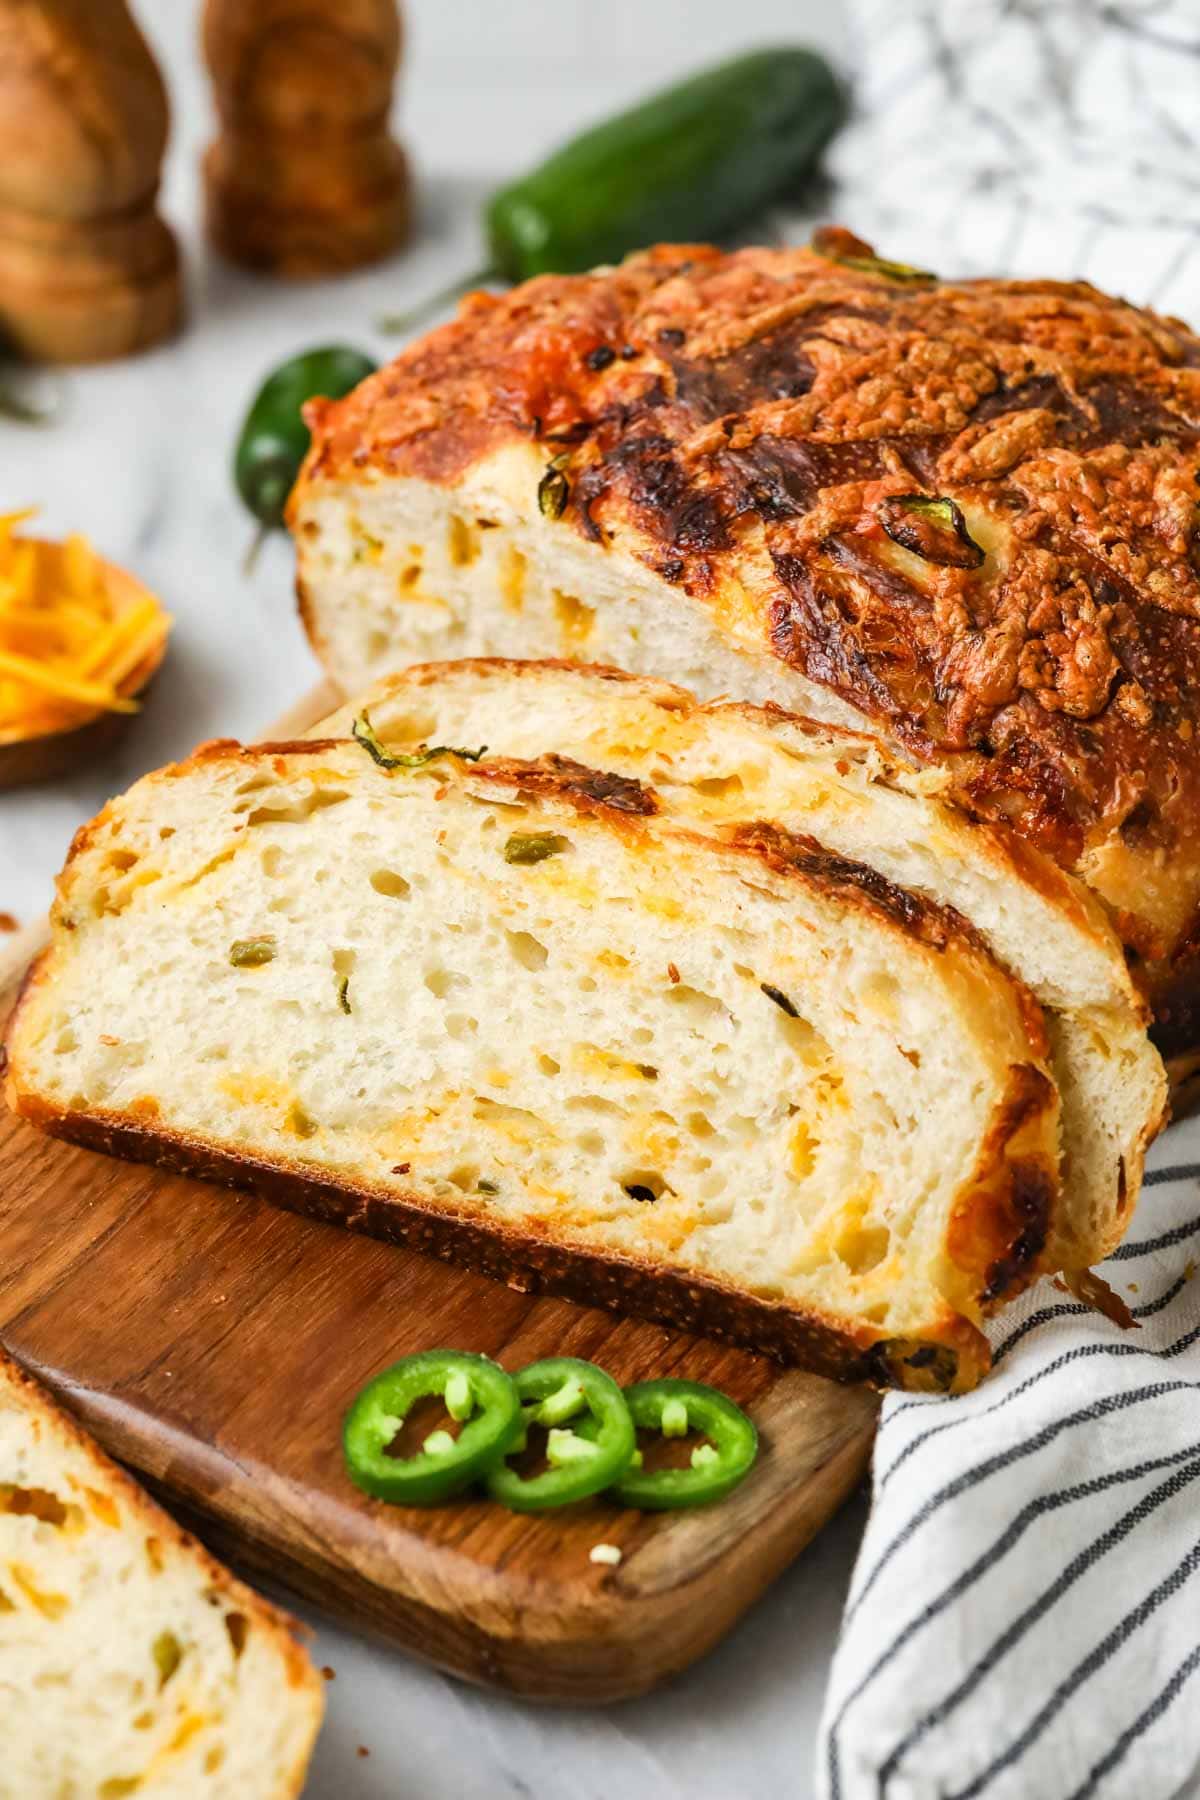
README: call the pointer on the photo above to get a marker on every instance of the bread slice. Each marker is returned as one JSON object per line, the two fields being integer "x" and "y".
{"x": 130, "y": 1661}
{"x": 956, "y": 513}
{"x": 713, "y": 765}
{"x": 514, "y": 1011}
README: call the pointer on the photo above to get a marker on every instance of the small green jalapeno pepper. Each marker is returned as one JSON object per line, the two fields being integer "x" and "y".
{"x": 684, "y": 166}
{"x": 479, "y": 1395}
{"x": 274, "y": 439}
{"x": 676, "y": 1408}
{"x": 560, "y": 1393}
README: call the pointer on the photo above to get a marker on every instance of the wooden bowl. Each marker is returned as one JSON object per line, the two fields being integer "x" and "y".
{"x": 50, "y": 754}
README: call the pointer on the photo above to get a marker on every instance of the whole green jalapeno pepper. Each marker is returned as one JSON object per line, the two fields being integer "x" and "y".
{"x": 686, "y": 165}
{"x": 274, "y": 439}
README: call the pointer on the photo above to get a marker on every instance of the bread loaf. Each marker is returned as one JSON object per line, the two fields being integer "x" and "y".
{"x": 529, "y": 1013}
{"x": 960, "y": 513}
{"x": 130, "y": 1661}
{"x": 716, "y": 765}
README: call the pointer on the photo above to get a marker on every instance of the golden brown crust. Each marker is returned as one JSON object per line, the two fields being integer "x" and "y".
{"x": 789, "y": 852}
{"x": 523, "y": 1260}
{"x": 1015, "y": 1211}
{"x": 430, "y": 673}
{"x": 751, "y": 422}
{"x": 556, "y": 777}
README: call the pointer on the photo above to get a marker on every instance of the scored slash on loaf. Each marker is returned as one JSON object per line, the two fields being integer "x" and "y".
{"x": 616, "y": 1009}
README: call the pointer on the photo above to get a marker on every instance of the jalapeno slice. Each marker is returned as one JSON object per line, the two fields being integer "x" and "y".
{"x": 479, "y": 1395}
{"x": 560, "y": 1393}
{"x": 676, "y": 1408}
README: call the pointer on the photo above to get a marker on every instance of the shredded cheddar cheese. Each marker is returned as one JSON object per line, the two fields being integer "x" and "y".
{"x": 75, "y": 635}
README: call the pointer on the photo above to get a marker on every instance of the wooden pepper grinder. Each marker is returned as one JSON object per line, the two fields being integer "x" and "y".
{"x": 88, "y": 269}
{"x": 304, "y": 179}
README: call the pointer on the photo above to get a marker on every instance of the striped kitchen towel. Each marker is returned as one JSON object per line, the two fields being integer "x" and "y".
{"x": 1030, "y": 138}
{"x": 1024, "y": 1619}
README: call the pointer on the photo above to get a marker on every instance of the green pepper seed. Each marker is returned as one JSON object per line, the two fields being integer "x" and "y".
{"x": 459, "y": 1403}
{"x": 563, "y": 1448}
{"x": 674, "y": 1421}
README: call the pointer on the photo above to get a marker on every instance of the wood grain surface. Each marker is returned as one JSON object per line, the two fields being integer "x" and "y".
{"x": 214, "y": 1342}
{"x": 88, "y": 268}
{"x": 304, "y": 178}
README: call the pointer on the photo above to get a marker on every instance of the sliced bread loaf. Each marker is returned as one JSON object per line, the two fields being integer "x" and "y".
{"x": 715, "y": 765}
{"x": 130, "y": 1661}
{"x": 519, "y": 1012}
{"x": 961, "y": 514}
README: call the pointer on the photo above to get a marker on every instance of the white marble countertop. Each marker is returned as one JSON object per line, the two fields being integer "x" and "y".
{"x": 141, "y": 464}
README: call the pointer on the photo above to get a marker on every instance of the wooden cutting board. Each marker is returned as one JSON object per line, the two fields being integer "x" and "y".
{"x": 213, "y": 1343}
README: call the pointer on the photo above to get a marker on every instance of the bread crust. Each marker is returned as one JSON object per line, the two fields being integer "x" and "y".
{"x": 1001, "y": 1221}
{"x": 747, "y": 432}
{"x": 287, "y": 1634}
{"x": 996, "y": 1238}
{"x": 523, "y": 1260}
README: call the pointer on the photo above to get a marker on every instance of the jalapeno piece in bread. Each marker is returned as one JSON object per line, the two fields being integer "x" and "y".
{"x": 274, "y": 438}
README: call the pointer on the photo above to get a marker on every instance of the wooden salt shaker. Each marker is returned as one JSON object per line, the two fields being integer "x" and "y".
{"x": 88, "y": 269}
{"x": 304, "y": 179}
